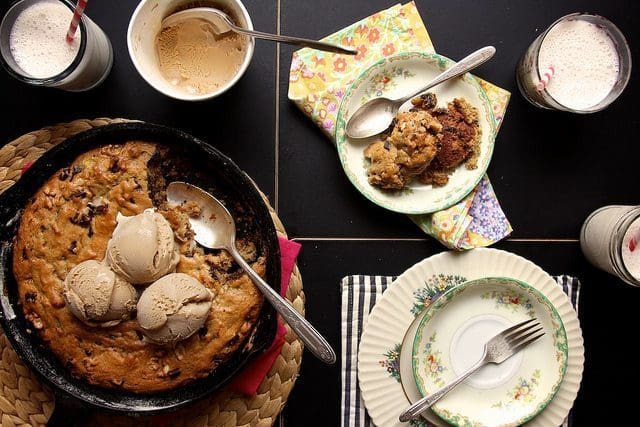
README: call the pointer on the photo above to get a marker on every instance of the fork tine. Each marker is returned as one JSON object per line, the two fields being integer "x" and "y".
{"x": 521, "y": 338}
{"x": 515, "y": 335}
{"x": 525, "y": 343}
{"x": 515, "y": 327}
{"x": 521, "y": 330}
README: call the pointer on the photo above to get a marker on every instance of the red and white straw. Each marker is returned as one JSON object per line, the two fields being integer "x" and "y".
{"x": 77, "y": 14}
{"x": 546, "y": 78}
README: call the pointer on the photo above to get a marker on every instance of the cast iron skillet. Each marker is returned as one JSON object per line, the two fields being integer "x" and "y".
{"x": 220, "y": 176}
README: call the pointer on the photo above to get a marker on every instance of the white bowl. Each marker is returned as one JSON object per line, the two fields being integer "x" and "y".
{"x": 146, "y": 23}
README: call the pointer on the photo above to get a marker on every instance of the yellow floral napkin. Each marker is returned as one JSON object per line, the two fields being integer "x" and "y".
{"x": 318, "y": 81}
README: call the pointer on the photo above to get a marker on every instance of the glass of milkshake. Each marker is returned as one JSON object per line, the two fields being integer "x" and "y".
{"x": 610, "y": 240}
{"x": 580, "y": 64}
{"x": 35, "y": 51}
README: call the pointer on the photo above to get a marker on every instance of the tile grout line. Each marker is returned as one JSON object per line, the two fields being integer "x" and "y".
{"x": 276, "y": 191}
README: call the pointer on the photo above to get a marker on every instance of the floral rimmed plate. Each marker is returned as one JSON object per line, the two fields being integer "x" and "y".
{"x": 385, "y": 372}
{"x": 397, "y": 76}
{"x": 451, "y": 336}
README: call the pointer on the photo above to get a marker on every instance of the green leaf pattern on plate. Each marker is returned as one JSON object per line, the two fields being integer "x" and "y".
{"x": 383, "y": 81}
{"x": 460, "y": 420}
{"x": 510, "y": 300}
{"x": 391, "y": 362}
{"x": 523, "y": 391}
{"x": 435, "y": 286}
{"x": 434, "y": 361}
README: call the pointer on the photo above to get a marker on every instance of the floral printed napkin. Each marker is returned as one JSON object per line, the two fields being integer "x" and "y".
{"x": 318, "y": 81}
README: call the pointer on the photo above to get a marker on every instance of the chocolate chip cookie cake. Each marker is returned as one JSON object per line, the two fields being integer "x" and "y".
{"x": 172, "y": 314}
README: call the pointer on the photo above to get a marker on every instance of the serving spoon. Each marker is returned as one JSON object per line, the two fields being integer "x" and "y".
{"x": 375, "y": 116}
{"x": 215, "y": 229}
{"x": 223, "y": 24}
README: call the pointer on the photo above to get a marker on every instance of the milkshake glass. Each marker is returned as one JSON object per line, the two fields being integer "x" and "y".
{"x": 610, "y": 240}
{"x": 580, "y": 64}
{"x": 89, "y": 63}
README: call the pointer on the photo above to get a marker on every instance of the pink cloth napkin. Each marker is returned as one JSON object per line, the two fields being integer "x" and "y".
{"x": 248, "y": 381}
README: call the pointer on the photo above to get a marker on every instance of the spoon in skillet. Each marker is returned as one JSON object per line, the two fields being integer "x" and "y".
{"x": 215, "y": 229}
{"x": 221, "y": 24}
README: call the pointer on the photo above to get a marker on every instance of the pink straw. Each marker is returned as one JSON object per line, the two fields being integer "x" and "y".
{"x": 77, "y": 14}
{"x": 546, "y": 78}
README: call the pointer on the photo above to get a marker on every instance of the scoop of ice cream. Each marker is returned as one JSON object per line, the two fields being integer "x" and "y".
{"x": 173, "y": 308}
{"x": 142, "y": 248}
{"x": 95, "y": 294}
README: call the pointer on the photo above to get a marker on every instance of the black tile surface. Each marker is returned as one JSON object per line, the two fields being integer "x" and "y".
{"x": 549, "y": 170}
{"x": 542, "y": 160}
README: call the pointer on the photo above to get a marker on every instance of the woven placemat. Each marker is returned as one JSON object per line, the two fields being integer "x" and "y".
{"x": 25, "y": 401}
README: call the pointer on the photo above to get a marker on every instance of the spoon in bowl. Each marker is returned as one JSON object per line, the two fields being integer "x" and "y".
{"x": 215, "y": 229}
{"x": 375, "y": 116}
{"x": 221, "y": 24}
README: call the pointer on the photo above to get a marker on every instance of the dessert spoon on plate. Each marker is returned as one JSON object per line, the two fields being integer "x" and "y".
{"x": 215, "y": 229}
{"x": 375, "y": 115}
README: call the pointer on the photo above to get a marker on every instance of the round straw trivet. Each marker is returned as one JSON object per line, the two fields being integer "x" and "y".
{"x": 25, "y": 401}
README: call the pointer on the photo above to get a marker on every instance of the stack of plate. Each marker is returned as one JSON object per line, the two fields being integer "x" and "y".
{"x": 416, "y": 340}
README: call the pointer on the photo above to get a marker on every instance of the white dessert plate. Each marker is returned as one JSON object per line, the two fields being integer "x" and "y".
{"x": 385, "y": 370}
{"x": 396, "y": 76}
{"x": 451, "y": 337}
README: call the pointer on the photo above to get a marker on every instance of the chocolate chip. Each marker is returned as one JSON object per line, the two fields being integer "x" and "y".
{"x": 203, "y": 331}
{"x": 429, "y": 100}
{"x": 73, "y": 247}
{"x": 30, "y": 296}
{"x": 98, "y": 209}
{"x": 387, "y": 145}
{"x": 24, "y": 253}
{"x": 88, "y": 352}
{"x": 80, "y": 193}
{"x": 113, "y": 167}
{"x": 83, "y": 219}
{"x": 75, "y": 171}
{"x": 64, "y": 174}
{"x": 90, "y": 231}
{"x": 174, "y": 373}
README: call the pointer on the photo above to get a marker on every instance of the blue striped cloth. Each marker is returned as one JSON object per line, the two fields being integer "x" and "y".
{"x": 359, "y": 295}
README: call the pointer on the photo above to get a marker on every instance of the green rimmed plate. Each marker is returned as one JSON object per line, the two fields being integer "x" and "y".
{"x": 396, "y": 76}
{"x": 450, "y": 338}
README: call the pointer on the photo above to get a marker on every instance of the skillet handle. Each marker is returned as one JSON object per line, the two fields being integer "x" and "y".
{"x": 67, "y": 413}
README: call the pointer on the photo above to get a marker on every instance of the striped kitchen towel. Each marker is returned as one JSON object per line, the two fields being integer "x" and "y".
{"x": 359, "y": 294}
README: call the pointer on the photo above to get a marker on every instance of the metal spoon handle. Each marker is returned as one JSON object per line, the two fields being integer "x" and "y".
{"x": 427, "y": 401}
{"x": 467, "y": 63}
{"x": 301, "y": 326}
{"x": 314, "y": 44}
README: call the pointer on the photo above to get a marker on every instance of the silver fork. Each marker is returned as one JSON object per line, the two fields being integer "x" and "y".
{"x": 496, "y": 350}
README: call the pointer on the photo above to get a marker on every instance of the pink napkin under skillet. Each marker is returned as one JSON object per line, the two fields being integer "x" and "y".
{"x": 318, "y": 82}
{"x": 248, "y": 381}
